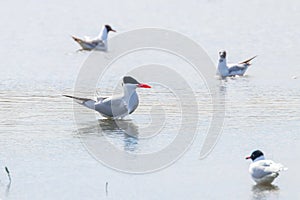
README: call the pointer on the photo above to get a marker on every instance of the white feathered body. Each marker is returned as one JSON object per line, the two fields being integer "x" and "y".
{"x": 265, "y": 171}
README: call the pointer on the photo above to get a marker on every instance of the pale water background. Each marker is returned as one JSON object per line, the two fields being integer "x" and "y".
{"x": 38, "y": 136}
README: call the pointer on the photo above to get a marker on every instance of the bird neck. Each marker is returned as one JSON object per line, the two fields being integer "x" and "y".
{"x": 223, "y": 62}
{"x": 103, "y": 34}
{"x": 259, "y": 158}
{"x": 128, "y": 91}
{"x": 222, "y": 67}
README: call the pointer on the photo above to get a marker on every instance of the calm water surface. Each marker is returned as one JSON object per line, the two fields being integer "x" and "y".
{"x": 39, "y": 139}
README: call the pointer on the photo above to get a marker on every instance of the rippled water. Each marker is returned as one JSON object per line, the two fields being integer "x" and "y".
{"x": 39, "y": 138}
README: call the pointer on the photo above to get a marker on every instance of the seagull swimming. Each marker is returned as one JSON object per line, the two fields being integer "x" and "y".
{"x": 115, "y": 106}
{"x": 99, "y": 43}
{"x": 263, "y": 171}
{"x": 225, "y": 69}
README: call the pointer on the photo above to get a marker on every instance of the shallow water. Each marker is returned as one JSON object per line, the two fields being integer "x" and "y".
{"x": 39, "y": 140}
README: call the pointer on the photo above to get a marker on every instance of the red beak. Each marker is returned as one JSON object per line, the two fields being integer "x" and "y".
{"x": 142, "y": 85}
{"x": 248, "y": 157}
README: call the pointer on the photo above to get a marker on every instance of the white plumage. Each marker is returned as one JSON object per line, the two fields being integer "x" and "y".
{"x": 115, "y": 106}
{"x": 237, "y": 69}
{"x": 99, "y": 43}
{"x": 263, "y": 171}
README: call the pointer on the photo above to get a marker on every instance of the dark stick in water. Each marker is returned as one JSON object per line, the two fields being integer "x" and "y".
{"x": 8, "y": 174}
{"x": 106, "y": 188}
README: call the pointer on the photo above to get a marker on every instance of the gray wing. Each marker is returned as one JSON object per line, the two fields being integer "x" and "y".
{"x": 273, "y": 167}
{"x": 91, "y": 44}
{"x": 88, "y": 44}
{"x": 100, "y": 99}
{"x": 239, "y": 69}
{"x": 133, "y": 102}
{"x": 112, "y": 107}
{"x": 265, "y": 167}
{"x": 259, "y": 172}
{"x": 97, "y": 42}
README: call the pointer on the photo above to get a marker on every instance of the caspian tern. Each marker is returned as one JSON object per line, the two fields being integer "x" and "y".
{"x": 115, "y": 106}
{"x": 99, "y": 43}
{"x": 263, "y": 171}
{"x": 225, "y": 69}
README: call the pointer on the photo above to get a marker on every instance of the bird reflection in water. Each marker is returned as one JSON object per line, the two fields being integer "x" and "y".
{"x": 115, "y": 130}
{"x": 125, "y": 128}
{"x": 262, "y": 192}
{"x": 7, "y": 189}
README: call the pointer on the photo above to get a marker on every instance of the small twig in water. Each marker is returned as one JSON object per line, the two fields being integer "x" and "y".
{"x": 106, "y": 188}
{"x": 8, "y": 173}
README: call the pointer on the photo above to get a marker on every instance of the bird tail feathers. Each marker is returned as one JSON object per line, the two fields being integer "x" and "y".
{"x": 76, "y": 39}
{"x": 89, "y": 103}
{"x": 248, "y": 61}
{"x": 280, "y": 167}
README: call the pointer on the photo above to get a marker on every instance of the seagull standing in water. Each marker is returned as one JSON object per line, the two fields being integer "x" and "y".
{"x": 115, "y": 106}
{"x": 225, "y": 69}
{"x": 99, "y": 43}
{"x": 263, "y": 171}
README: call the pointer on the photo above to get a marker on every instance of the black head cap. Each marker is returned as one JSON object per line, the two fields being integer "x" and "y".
{"x": 255, "y": 154}
{"x": 108, "y": 28}
{"x": 222, "y": 54}
{"x": 129, "y": 79}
